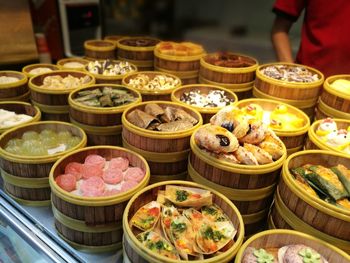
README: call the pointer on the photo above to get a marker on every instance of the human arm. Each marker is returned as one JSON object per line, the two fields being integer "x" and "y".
{"x": 280, "y": 39}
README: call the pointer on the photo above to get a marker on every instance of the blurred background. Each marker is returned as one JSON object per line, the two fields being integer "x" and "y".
{"x": 234, "y": 25}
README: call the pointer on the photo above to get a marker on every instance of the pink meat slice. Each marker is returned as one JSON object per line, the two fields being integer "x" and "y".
{"x": 67, "y": 182}
{"x": 75, "y": 169}
{"x": 91, "y": 170}
{"x": 112, "y": 176}
{"x": 134, "y": 174}
{"x": 127, "y": 185}
{"x": 119, "y": 162}
{"x": 95, "y": 159}
{"x": 93, "y": 186}
{"x": 111, "y": 192}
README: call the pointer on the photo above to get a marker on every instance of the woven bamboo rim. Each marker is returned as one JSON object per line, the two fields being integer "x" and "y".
{"x": 152, "y": 256}
{"x": 160, "y": 135}
{"x": 167, "y": 157}
{"x": 296, "y": 85}
{"x": 45, "y": 158}
{"x": 53, "y": 109}
{"x": 39, "y": 89}
{"x": 63, "y": 61}
{"x": 237, "y": 168}
{"x": 249, "y": 69}
{"x": 161, "y": 178}
{"x": 97, "y": 201}
{"x": 180, "y": 74}
{"x": 133, "y": 48}
{"x": 296, "y": 223}
{"x": 27, "y": 68}
{"x": 23, "y": 79}
{"x": 331, "y": 111}
{"x": 301, "y": 104}
{"x": 331, "y": 79}
{"x": 239, "y": 87}
{"x": 294, "y": 150}
{"x": 177, "y": 58}
{"x": 35, "y": 118}
{"x": 316, "y": 202}
{"x": 25, "y": 182}
{"x": 99, "y": 130}
{"x": 175, "y": 96}
{"x": 151, "y": 92}
{"x": 138, "y": 63}
{"x": 23, "y": 97}
{"x": 117, "y": 77}
{"x": 89, "y": 44}
{"x": 95, "y": 110}
{"x": 29, "y": 202}
{"x": 289, "y": 133}
{"x": 322, "y": 145}
{"x": 231, "y": 193}
{"x": 246, "y": 244}
{"x": 270, "y": 223}
{"x": 255, "y": 217}
{"x": 114, "y": 38}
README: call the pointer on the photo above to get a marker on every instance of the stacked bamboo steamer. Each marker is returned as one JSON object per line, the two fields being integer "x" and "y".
{"x": 16, "y": 90}
{"x": 295, "y": 208}
{"x": 99, "y": 49}
{"x": 239, "y": 77}
{"x": 39, "y": 68}
{"x": 72, "y": 64}
{"x": 333, "y": 102}
{"x": 298, "y": 94}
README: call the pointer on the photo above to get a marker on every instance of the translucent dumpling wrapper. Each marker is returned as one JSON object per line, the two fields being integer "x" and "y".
{"x": 187, "y": 196}
{"x": 147, "y": 216}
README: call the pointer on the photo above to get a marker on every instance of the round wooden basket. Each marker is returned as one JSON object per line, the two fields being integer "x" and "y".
{"x": 148, "y": 95}
{"x": 282, "y": 237}
{"x": 307, "y": 213}
{"x": 92, "y": 224}
{"x": 333, "y": 98}
{"x": 53, "y": 103}
{"x": 243, "y": 90}
{"x": 102, "y": 125}
{"x": 99, "y": 49}
{"x": 292, "y": 139}
{"x": 288, "y": 90}
{"x": 187, "y": 77}
{"x": 208, "y": 112}
{"x": 250, "y": 187}
{"x": 21, "y": 108}
{"x": 103, "y": 79}
{"x": 307, "y": 106}
{"x": 61, "y": 63}
{"x": 142, "y": 57}
{"x": 165, "y": 152}
{"x": 323, "y": 111}
{"x": 227, "y": 75}
{"x": 313, "y": 142}
{"x": 26, "y": 70}
{"x": 136, "y": 253}
{"x": 14, "y": 91}
{"x": 26, "y": 177}
{"x": 114, "y": 38}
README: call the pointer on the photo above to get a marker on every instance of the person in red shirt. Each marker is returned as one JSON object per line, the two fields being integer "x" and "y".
{"x": 325, "y": 35}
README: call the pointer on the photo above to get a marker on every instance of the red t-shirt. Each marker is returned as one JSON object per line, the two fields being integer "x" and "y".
{"x": 325, "y": 36}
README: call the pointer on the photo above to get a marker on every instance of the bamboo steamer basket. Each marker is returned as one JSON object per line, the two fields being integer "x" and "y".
{"x": 288, "y": 90}
{"x": 255, "y": 222}
{"x": 134, "y": 250}
{"x": 165, "y": 152}
{"x": 307, "y": 106}
{"x": 103, "y": 79}
{"x": 13, "y": 91}
{"x": 21, "y": 108}
{"x": 26, "y": 177}
{"x": 250, "y": 187}
{"x": 282, "y": 237}
{"x": 333, "y": 98}
{"x": 102, "y": 125}
{"x": 142, "y": 57}
{"x": 61, "y": 63}
{"x": 323, "y": 111}
{"x": 313, "y": 142}
{"x": 114, "y": 39}
{"x": 308, "y": 213}
{"x": 99, "y": 49}
{"x": 207, "y": 112}
{"x": 92, "y": 224}
{"x": 227, "y": 75}
{"x": 53, "y": 103}
{"x": 292, "y": 139}
{"x": 187, "y": 77}
{"x": 148, "y": 95}
{"x": 24, "y": 98}
{"x": 26, "y": 70}
{"x": 242, "y": 90}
